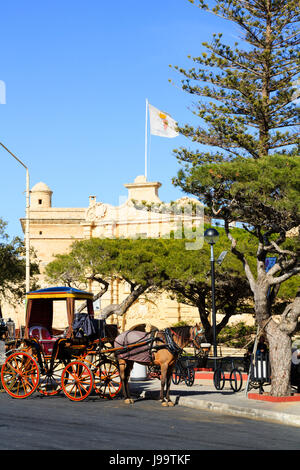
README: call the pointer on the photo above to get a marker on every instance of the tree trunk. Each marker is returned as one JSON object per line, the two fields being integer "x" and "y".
{"x": 278, "y": 340}
{"x": 262, "y": 311}
{"x": 279, "y": 333}
{"x": 280, "y": 345}
{"x": 204, "y": 320}
{"x": 278, "y": 336}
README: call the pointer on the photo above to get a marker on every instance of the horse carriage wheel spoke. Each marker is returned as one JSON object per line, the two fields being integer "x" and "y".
{"x": 51, "y": 384}
{"x": 107, "y": 379}
{"x": 77, "y": 381}
{"x": 20, "y": 375}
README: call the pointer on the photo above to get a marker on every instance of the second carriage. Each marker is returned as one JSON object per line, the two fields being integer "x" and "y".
{"x": 72, "y": 361}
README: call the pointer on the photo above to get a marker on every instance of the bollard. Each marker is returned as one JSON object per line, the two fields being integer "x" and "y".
{"x": 2, "y": 353}
{"x": 139, "y": 372}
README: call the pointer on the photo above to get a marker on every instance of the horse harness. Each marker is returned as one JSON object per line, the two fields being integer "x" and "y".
{"x": 171, "y": 345}
{"x": 197, "y": 332}
{"x": 167, "y": 342}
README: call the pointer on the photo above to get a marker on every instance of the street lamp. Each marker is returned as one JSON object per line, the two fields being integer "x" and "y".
{"x": 27, "y": 240}
{"x": 211, "y": 236}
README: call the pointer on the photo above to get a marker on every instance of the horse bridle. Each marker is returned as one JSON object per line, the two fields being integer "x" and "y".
{"x": 197, "y": 333}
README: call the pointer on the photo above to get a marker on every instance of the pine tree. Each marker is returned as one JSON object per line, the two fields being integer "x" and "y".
{"x": 251, "y": 171}
{"x": 249, "y": 106}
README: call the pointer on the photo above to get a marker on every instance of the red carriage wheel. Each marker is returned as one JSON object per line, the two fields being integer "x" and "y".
{"x": 77, "y": 381}
{"x": 20, "y": 375}
{"x": 107, "y": 379}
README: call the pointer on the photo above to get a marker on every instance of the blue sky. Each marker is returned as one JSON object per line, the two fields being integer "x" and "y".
{"x": 77, "y": 74}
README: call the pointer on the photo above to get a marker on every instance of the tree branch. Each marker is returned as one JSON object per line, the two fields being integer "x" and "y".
{"x": 241, "y": 257}
{"x": 284, "y": 277}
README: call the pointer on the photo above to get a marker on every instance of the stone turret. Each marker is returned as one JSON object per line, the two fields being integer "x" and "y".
{"x": 40, "y": 196}
{"x": 142, "y": 190}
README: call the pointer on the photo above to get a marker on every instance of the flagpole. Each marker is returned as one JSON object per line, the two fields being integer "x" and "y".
{"x": 146, "y": 140}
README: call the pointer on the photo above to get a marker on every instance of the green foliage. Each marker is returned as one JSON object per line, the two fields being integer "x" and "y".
{"x": 164, "y": 264}
{"x": 180, "y": 323}
{"x": 159, "y": 264}
{"x": 137, "y": 261}
{"x": 247, "y": 105}
{"x": 289, "y": 288}
{"x": 12, "y": 267}
{"x": 263, "y": 192}
{"x": 237, "y": 335}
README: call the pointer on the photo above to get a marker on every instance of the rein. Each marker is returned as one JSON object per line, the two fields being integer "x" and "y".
{"x": 171, "y": 345}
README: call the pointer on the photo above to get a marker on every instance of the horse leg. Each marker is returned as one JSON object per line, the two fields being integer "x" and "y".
{"x": 125, "y": 369}
{"x": 163, "y": 381}
{"x": 168, "y": 385}
{"x": 128, "y": 370}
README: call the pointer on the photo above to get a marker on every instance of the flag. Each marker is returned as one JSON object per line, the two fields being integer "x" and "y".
{"x": 161, "y": 123}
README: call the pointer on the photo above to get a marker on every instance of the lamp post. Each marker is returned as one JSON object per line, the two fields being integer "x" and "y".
{"x": 211, "y": 236}
{"x": 27, "y": 235}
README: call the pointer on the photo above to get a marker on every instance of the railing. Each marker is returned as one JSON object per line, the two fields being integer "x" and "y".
{"x": 260, "y": 372}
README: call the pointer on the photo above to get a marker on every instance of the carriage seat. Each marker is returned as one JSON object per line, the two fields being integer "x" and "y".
{"x": 44, "y": 338}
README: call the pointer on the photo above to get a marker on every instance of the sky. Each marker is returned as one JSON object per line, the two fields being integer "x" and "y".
{"x": 76, "y": 76}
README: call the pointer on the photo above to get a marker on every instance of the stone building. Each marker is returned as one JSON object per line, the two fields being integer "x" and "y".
{"x": 54, "y": 229}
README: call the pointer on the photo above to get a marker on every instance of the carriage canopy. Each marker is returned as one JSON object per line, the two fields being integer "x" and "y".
{"x": 39, "y": 307}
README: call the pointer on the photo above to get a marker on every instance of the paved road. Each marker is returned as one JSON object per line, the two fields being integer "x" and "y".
{"x": 47, "y": 423}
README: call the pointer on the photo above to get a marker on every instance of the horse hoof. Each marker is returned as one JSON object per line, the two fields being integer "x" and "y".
{"x": 129, "y": 401}
{"x": 170, "y": 403}
{"x": 164, "y": 403}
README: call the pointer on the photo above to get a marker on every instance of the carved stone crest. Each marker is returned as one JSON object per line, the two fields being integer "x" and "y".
{"x": 96, "y": 212}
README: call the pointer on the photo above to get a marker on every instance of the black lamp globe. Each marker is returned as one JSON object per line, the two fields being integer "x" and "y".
{"x": 211, "y": 236}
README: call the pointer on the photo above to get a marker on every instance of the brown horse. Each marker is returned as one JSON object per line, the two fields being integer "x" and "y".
{"x": 160, "y": 348}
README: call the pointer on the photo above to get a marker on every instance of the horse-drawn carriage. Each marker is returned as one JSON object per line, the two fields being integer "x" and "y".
{"x": 49, "y": 360}
{"x": 88, "y": 356}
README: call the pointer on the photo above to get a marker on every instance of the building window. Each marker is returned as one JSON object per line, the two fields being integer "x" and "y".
{"x": 40, "y": 201}
{"x": 41, "y": 233}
